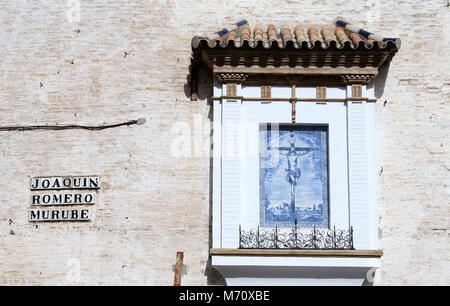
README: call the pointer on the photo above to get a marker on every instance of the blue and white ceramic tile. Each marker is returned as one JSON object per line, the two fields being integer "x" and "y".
{"x": 294, "y": 176}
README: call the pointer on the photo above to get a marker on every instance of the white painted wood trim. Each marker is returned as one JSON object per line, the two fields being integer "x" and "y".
{"x": 358, "y": 166}
{"x": 231, "y": 170}
{"x": 217, "y": 175}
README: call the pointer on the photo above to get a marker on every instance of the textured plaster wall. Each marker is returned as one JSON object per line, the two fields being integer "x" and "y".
{"x": 123, "y": 60}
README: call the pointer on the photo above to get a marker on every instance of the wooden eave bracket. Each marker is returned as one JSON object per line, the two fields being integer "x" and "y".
{"x": 291, "y": 76}
{"x": 281, "y": 68}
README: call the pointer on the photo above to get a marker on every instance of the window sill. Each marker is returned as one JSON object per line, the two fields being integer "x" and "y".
{"x": 296, "y": 253}
{"x": 288, "y": 267}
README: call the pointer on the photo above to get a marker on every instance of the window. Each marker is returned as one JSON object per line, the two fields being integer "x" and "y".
{"x": 300, "y": 207}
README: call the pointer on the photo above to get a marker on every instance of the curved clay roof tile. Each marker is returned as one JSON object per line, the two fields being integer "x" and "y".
{"x": 355, "y": 38}
{"x": 258, "y": 33}
{"x": 284, "y": 38}
{"x": 231, "y": 36}
{"x": 219, "y": 40}
{"x": 299, "y": 34}
{"x": 326, "y": 34}
{"x": 313, "y": 35}
{"x": 271, "y": 34}
{"x": 340, "y": 35}
{"x": 286, "y": 33}
{"x": 245, "y": 34}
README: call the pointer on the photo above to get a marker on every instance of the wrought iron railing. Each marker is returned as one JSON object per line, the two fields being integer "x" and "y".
{"x": 295, "y": 238}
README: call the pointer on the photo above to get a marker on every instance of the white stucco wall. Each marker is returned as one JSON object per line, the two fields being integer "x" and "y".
{"x": 126, "y": 60}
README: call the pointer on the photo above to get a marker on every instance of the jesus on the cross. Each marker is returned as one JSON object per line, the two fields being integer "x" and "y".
{"x": 292, "y": 154}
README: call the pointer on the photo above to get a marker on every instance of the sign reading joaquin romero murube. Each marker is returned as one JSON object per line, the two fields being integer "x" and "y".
{"x": 65, "y": 182}
{"x": 59, "y": 215}
{"x": 56, "y": 196}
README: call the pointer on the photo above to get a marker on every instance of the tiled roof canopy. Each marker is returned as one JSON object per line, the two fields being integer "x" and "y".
{"x": 318, "y": 38}
{"x": 285, "y": 54}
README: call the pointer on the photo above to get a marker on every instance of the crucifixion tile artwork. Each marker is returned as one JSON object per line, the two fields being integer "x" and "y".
{"x": 293, "y": 175}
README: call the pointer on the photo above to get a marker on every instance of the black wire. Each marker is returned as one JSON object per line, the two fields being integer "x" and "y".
{"x": 65, "y": 127}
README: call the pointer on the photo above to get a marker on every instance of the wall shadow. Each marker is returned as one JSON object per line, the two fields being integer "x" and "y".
{"x": 380, "y": 81}
{"x": 205, "y": 84}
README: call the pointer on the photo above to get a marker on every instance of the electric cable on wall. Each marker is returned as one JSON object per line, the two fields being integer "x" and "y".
{"x": 71, "y": 126}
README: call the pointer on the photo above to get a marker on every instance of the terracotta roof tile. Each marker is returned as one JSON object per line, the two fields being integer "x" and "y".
{"x": 355, "y": 38}
{"x": 258, "y": 33}
{"x": 231, "y": 36}
{"x": 299, "y": 35}
{"x": 313, "y": 35}
{"x": 286, "y": 35}
{"x": 340, "y": 35}
{"x": 272, "y": 34}
{"x": 329, "y": 36}
{"x": 245, "y": 33}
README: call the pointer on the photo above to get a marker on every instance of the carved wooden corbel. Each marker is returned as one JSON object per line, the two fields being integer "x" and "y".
{"x": 361, "y": 79}
{"x": 237, "y": 78}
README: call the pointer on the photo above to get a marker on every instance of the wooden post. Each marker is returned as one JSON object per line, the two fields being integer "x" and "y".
{"x": 178, "y": 269}
{"x": 293, "y": 111}
{"x": 293, "y": 102}
{"x": 194, "y": 83}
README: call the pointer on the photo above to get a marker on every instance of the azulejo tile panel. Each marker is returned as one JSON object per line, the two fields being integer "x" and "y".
{"x": 294, "y": 175}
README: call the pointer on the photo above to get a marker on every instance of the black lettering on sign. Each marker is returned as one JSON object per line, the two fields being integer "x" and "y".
{"x": 45, "y": 184}
{"x": 74, "y": 214}
{"x": 35, "y": 199}
{"x": 93, "y": 182}
{"x": 68, "y": 198}
{"x": 59, "y": 215}
{"x": 46, "y": 199}
{"x": 84, "y": 214}
{"x": 45, "y": 214}
{"x": 56, "y": 184}
{"x": 65, "y": 182}
{"x": 34, "y": 183}
{"x": 88, "y": 198}
{"x": 77, "y": 182}
{"x": 55, "y": 214}
{"x": 57, "y": 199}
{"x": 63, "y": 199}
{"x": 65, "y": 214}
{"x": 34, "y": 215}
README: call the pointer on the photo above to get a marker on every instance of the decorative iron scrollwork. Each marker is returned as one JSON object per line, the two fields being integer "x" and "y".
{"x": 294, "y": 238}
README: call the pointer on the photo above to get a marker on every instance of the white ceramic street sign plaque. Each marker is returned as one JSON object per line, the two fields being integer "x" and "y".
{"x": 65, "y": 182}
{"x": 63, "y": 198}
{"x": 38, "y": 215}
